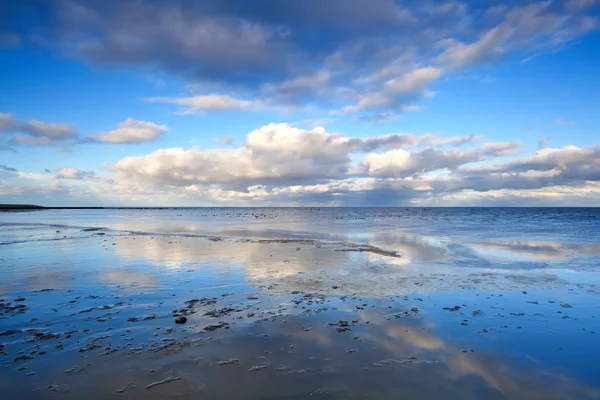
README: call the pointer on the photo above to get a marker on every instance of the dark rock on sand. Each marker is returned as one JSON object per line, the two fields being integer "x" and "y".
{"x": 235, "y": 361}
{"x": 451, "y": 309}
{"x": 180, "y": 320}
{"x": 339, "y": 323}
{"x": 10, "y": 332}
{"x": 10, "y": 309}
{"x": 46, "y": 335}
{"x": 217, "y": 326}
{"x": 221, "y": 312}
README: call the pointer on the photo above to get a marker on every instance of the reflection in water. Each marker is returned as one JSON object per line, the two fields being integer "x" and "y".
{"x": 534, "y": 250}
{"x": 258, "y": 260}
{"x": 460, "y": 315}
{"x": 299, "y": 354}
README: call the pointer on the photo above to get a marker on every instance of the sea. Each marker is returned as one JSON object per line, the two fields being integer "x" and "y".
{"x": 295, "y": 303}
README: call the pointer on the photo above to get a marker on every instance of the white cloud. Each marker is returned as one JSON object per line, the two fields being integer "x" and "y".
{"x": 275, "y": 167}
{"x": 73, "y": 173}
{"x": 210, "y": 103}
{"x": 132, "y": 131}
{"x": 280, "y": 164}
{"x": 543, "y": 143}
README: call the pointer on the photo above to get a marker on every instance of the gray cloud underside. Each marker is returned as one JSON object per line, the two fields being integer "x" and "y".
{"x": 7, "y": 169}
{"x": 35, "y": 133}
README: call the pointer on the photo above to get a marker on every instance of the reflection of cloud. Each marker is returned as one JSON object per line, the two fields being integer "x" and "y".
{"x": 128, "y": 277}
{"x": 401, "y": 340}
{"x": 495, "y": 374}
{"x": 413, "y": 248}
{"x": 515, "y": 383}
{"x": 421, "y": 340}
{"x": 259, "y": 260}
{"x": 535, "y": 250}
{"x": 409, "y": 357}
{"x": 319, "y": 337}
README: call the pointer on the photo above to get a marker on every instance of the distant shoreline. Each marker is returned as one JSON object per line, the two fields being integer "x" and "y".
{"x": 32, "y": 207}
{"x": 35, "y": 207}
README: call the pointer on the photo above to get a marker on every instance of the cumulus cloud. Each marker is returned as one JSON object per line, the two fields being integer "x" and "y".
{"x": 279, "y": 153}
{"x": 132, "y": 131}
{"x": 281, "y": 164}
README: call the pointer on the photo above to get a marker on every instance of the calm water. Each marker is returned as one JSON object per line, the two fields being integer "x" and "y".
{"x": 295, "y": 303}
{"x": 577, "y": 225}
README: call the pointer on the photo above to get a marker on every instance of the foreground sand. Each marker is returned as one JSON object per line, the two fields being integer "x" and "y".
{"x": 92, "y": 314}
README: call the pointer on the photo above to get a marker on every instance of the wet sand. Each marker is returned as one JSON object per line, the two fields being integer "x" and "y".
{"x": 101, "y": 313}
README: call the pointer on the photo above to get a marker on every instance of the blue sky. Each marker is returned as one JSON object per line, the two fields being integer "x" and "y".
{"x": 300, "y": 103}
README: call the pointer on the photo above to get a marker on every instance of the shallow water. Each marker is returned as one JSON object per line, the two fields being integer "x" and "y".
{"x": 327, "y": 303}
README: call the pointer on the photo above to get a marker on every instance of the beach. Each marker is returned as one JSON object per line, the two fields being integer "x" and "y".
{"x": 294, "y": 303}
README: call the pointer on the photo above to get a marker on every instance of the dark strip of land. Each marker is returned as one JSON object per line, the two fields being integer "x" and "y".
{"x": 34, "y": 207}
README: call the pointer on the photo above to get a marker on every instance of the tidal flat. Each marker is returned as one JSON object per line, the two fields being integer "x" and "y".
{"x": 263, "y": 304}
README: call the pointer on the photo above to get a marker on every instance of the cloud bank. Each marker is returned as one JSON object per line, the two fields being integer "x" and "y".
{"x": 279, "y": 164}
